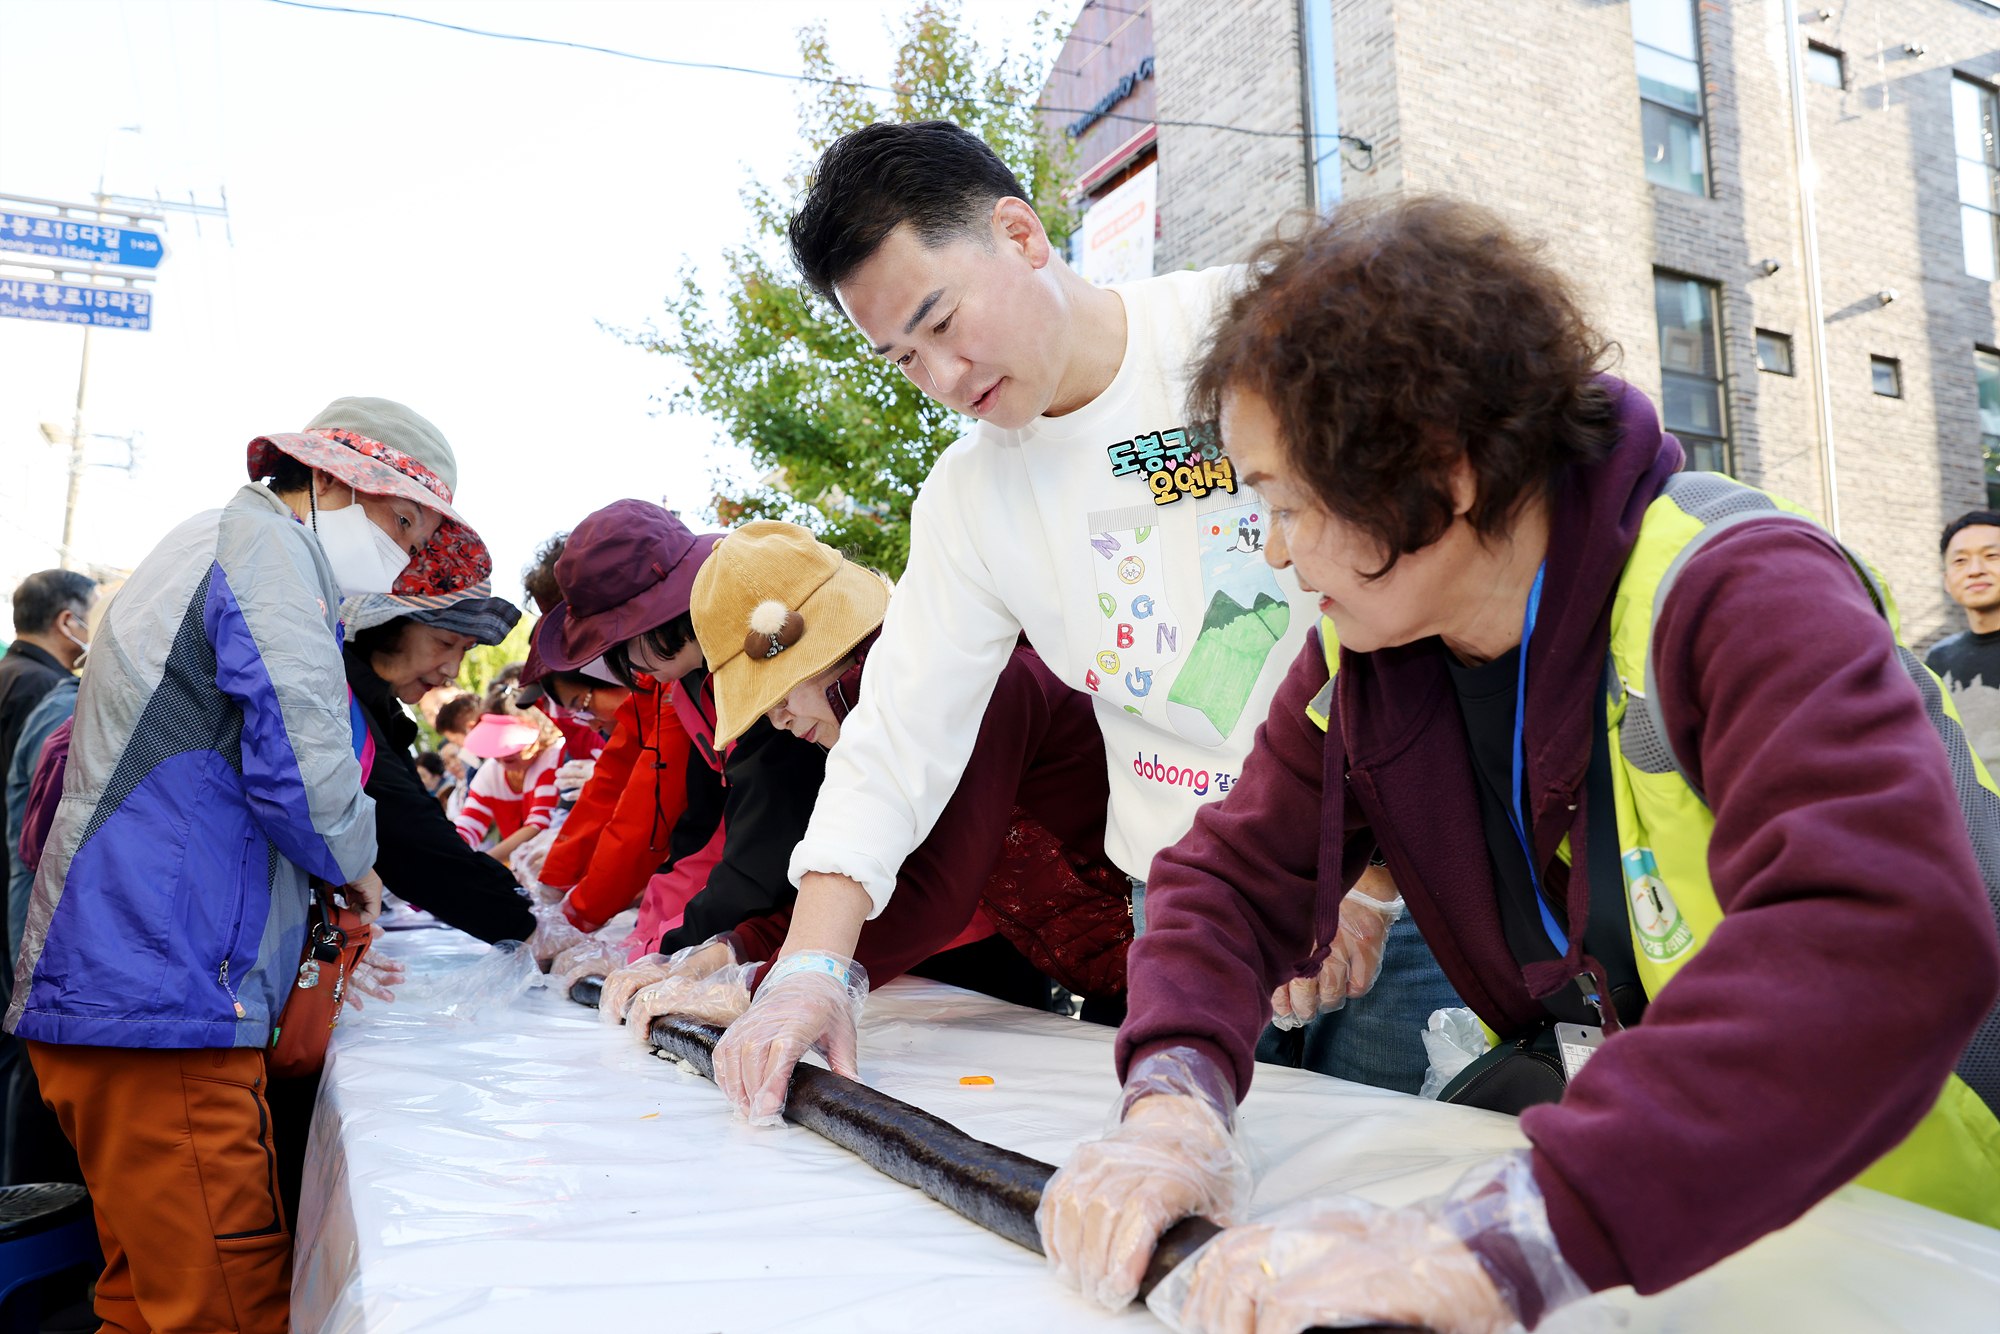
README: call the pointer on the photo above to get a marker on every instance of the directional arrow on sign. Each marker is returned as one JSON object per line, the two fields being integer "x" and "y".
{"x": 79, "y": 242}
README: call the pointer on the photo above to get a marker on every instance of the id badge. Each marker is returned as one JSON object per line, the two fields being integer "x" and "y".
{"x": 1578, "y": 1043}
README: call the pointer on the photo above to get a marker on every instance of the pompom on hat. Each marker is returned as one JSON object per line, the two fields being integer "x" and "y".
{"x": 382, "y": 448}
{"x": 774, "y": 606}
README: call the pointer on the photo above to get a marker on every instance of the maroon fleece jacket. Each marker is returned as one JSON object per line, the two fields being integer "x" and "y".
{"x": 1814, "y": 1028}
{"x": 1039, "y": 749}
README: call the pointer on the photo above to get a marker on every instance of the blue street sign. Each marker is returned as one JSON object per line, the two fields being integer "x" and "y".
{"x": 76, "y": 242}
{"x": 66, "y": 303}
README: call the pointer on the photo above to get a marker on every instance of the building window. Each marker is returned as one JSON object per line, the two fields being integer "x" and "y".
{"x": 1887, "y": 374}
{"x": 1973, "y": 120}
{"x": 1322, "y": 105}
{"x": 1691, "y": 369}
{"x": 1663, "y": 38}
{"x": 1774, "y": 352}
{"x": 1986, "y": 365}
{"x": 1823, "y": 65}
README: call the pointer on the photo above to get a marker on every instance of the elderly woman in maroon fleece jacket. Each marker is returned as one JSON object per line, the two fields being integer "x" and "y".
{"x": 1418, "y": 401}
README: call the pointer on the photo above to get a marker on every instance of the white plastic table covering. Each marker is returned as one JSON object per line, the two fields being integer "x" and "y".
{"x": 538, "y": 1172}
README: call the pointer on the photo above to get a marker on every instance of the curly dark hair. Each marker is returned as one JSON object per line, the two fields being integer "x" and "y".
{"x": 539, "y": 577}
{"x": 1396, "y": 337}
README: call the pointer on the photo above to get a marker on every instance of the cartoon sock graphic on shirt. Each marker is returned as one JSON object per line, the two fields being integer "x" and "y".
{"x": 1246, "y": 616}
{"x": 1140, "y": 635}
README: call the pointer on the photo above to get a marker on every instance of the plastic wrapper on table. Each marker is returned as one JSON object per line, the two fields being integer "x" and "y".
{"x": 467, "y": 993}
{"x": 993, "y": 1187}
{"x": 1452, "y": 1040}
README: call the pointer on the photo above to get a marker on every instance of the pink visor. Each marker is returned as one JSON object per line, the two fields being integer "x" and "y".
{"x": 496, "y": 736}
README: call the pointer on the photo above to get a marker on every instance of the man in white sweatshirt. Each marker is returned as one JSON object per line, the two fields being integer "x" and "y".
{"x": 1082, "y": 508}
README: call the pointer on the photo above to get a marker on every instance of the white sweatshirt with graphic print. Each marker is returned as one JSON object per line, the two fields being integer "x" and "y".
{"x": 1165, "y": 612}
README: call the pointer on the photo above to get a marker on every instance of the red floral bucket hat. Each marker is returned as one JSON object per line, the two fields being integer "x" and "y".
{"x": 382, "y": 448}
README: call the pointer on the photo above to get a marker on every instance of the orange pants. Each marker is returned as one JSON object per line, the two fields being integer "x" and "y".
{"x": 176, "y": 1149}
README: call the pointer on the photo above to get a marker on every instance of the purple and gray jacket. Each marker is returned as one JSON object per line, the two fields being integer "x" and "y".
{"x": 212, "y": 770}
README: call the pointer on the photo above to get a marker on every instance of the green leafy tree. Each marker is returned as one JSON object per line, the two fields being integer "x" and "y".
{"x": 843, "y": 439}
{"x": 484, "y": 661}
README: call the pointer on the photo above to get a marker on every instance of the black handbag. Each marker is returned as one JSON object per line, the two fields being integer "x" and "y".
{"x": 1524, "y": 1071}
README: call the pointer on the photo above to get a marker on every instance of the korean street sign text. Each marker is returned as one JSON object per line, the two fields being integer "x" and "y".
{"x": 78, "y": 242}
{"x": 67, "y": 303}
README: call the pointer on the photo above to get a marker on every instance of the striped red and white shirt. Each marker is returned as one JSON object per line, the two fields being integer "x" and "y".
{"x": 492, "y": 803}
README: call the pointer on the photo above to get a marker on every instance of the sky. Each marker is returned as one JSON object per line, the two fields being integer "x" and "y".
{"x": 450, "y": 221}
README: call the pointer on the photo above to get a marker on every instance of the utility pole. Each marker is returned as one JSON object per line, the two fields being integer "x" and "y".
{"x": 76, "y": 458}
{"x": 76, "y": 430}
{"x": 1815, "y": 300}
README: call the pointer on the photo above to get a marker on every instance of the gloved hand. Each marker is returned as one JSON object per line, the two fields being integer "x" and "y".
{"x": 1173, "y": 1154}
{"x": 809, "y": 1001}
{"x": 526, "y": 861}
{"x": 719, "y": 998}
{"x": 592, "y": 958}
{"x": 1478, "y": 1259}
{"x": 692, "y": 961}
{"x": 374, "y": 974}
{"x": 571, "y": 777}
{"x": 1351, "y": 966}
{"x": 553, "y": 932}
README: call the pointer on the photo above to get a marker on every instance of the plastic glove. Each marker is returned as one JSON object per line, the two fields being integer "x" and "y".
{"x": 1171, "y": 1156}
{"x": 572, "y": 776}
{"x": 719, "y": 998}
{"x": 691, "y": 961}
{"x": 374, "y": 974}
{"x": 553, "y": 932}
{"x": 1351, "y": 966}
{"x": 1478, "y": 1259}
{"x": 809, "y": 1001}
{"x": 593, "y": 958}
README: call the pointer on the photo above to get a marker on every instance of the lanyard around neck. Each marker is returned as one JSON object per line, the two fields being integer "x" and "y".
{"x": 1516, "y": 813}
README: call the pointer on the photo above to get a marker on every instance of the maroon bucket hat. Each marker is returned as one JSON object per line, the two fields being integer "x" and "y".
{"x": 626, "y": 569}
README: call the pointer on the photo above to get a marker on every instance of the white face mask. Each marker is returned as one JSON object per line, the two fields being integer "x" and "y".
{"x": 364, "y": 558}
{"x": 82, "y": 646}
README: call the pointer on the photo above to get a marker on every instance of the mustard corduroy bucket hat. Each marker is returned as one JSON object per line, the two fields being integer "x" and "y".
{"x": 774, "y": 606}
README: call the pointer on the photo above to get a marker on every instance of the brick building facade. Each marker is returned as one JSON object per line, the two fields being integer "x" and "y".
{"x": 1651, "y": 143}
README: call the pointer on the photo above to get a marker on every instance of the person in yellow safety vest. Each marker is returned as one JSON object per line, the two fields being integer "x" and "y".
{"x": 1663, "y": 791}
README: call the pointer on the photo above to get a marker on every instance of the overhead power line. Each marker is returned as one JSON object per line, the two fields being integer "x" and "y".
{"x": 1359, "y": 143}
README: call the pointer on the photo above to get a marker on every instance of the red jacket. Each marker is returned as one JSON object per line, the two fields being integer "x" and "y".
{"x": 616, "y": 835}
{"x": 1815, "y": 1027}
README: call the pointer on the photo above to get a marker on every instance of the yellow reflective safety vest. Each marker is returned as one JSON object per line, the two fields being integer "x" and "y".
{"x": 1951, "y": 1161}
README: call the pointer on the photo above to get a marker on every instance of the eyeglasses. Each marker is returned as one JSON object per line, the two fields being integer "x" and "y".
{"x": 578, "y": 711}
